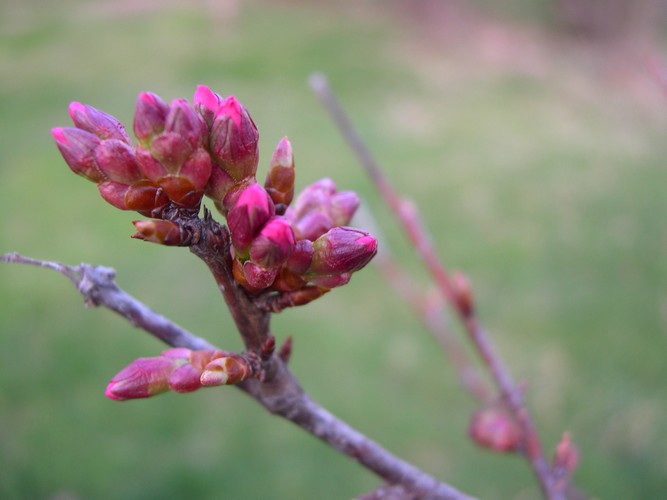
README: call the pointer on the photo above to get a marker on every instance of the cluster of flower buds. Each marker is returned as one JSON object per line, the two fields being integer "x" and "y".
{"x": 180, "y": 370}
{"x": 211, "y": 147}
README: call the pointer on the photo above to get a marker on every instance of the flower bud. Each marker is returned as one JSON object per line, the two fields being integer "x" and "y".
{"x": 117, "y": 162}
{"x": 164, "y": 232}
{"x": 258, "y": 278}
{"x": 343, "y": 206}
{"x": 233, "y": 140}
{"x": 331, "y": 281}
{"x": 142, "y": 378}
{"x": 185, "y": 378}
{"x": 495, "y": 429}
{"x": 566, "y": 457}
{"x": 184, "y": 121}
{"x": 143, "y": 196}
{"x": 280, "y": 178}
{"x": 78, "y": 149}
{"x": 149, "y": 117}
{"x": 274, "y": 243}
{"x": 301, "y": 257}
{"x": 462, "y": 293}
{"x": 342, "y": 250}
{"x": 97, "y": 122}
{"x": 312, "y": 225}
{"x": 206, "y": 103}
{"x": 245, "y": 219}
{"x": 226, "y": 370}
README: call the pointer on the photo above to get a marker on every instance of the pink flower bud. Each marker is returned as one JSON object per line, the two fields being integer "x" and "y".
{"x": 171, "y": 150}
{"x": 343, "y": 206}
{"x": 149, "y": 117}
{"x": 185, "y": 378}
{"x": 183, "y": 121}
{"x": 206, "y": 103}
{"x": 245, "y": 219}
{"x": 97, "y": 122}
{"x": 258, "y": 278}
{"x": 114, "y": 193}
{"x": 78, "y": 149}
{"x": 274, "y": 243}
{"x": 226, "y": 370}
{"x": 495, "y": 429}
{"x": 280, "y": 178}
{"x": 462, "y": 293}
{"x": 332, "y": 281}
{"x": 163, "y": 232}
{"x": 301, "y": 257}
{"x": 197, "y": 169}
{"x": 116, "y": 160}
{"x": 342, "y": 250}
{"x": 312, "y": 225}
{"x": 566, "y": 458}
{"x": 219, "y": 184}
{"x": 142, "y": 378}
{"x": 234, "y": 139}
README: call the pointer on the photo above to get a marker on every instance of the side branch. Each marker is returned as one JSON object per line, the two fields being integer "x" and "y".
{"x": 280, "y": 393}
{"x": 408, "y": 217}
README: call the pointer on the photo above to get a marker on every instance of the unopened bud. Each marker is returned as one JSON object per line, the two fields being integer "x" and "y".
{"x": 78, "y": 149}
{"x": 342, "y": 250}
{"x": 185, "y": 378}
{"x": 312, "y": 225}
{"x": 495, "y": 429}
{"x": 274, "y": 243}
{"x": 143, "y": 378}
{"x": 184, "y": 121}
{"x": 280, "y": 178}
{"x": 245, "y": 219}
{"x": 301, "y": 257}
{"x": 332, "y": 281}
{"x": 462, "y": 293}
{"x": 99, "y": 123}
{"x": 257, "y": 277}
{"x": 149, "y": 117}
{"x": 117, "y": 162}
{"x": 234, "y": 140}
{"x": 143, "y": 196}
{"x": 343, "y": 206}
{"x": 566, "y": 457}
{"x": 206, "y": 103}
{"x": 163, "y": 232}
{"x": 225, "y": 371}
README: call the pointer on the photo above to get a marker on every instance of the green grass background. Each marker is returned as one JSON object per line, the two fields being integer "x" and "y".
{"x": 545, "y": 183}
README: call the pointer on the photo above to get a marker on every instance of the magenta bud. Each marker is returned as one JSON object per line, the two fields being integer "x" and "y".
{"x": 343, "y": 206}
{"x": 301, "y": 257}
{"x": 316, "y": 196}
{"x": 312, "y": 225}
{"x": 143, "y": 378}
{"x": 97, "y": 122}
{"x": 566, "y": 458}
{"x": 245, "y": 219}
{"x": 171, "y": 150}
{"x": 185, "y": 378}
{"x": 117, "y": 161}
{"x": 234, "y": 140}
{"x": 331, "y": 281}
{"x": 495, "y": 429}
{"x": 78, "y": 149}
{"x": 206, "y": 103}
{"x": 149, "y": 117}
{"x": 342, "y": 250}
{"x": 219, "y": 184}
{"x": 274, "y": 243}
{"x": 197, "y": 169}
{"x": 257, "y": 277}
{"x": 280, "y": 178}
{"x": 185, "y": 122}
{"x": 114, "y": 193}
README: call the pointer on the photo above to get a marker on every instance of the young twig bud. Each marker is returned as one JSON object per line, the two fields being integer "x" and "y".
{"x": 143, "y": 378}
{"x": 163, "y": 232}
{"x": 225, "y": 371}
{"x": 462, "y": 293}
{"x": 280, "y": 178}
{"x": 495, "y": 429}
{"x": 341, "y": 250}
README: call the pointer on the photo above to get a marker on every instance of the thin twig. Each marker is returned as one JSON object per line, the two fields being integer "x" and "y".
{"x": 407, "y": 215}
{"x": 280, "y": 394}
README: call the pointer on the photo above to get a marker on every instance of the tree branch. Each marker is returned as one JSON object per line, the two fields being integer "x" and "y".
{"x": 280, "y": 394}
{"x": 408, "y": 217}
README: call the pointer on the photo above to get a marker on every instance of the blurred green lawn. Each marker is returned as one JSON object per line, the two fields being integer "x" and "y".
{"x": 546, "y": 185}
